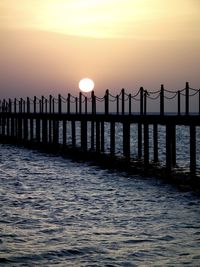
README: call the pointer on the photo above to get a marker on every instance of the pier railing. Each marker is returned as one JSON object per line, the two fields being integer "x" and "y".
{"x": 140, "y": 103}
{"x": 46, "y": 121}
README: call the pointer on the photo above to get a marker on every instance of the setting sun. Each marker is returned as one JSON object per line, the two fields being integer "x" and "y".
{"x": 86, "y": 85}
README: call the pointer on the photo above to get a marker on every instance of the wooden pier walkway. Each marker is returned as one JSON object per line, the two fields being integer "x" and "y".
{"x": 45, "y": 121}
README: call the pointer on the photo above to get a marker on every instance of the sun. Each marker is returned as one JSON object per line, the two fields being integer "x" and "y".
{"x": 86, "y": 85}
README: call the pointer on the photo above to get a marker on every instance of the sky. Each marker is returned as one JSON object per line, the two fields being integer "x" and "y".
{"x": 48, "y": 46}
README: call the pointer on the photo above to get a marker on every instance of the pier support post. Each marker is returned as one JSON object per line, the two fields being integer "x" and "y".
{"x": 146, "y": 145}
{"x": 50, "y": 131}
{"x": 38, "y": 130}
{"x": 15, "y": 126}
{"x": 126, "y": 140}
{"x": 168, "y": 148}
{"x": 55, "y": 132}
{"x": 173, "y": 136}
{"x": 97, "y": 136}
{"x": 44, "y": 131}
{"x": 25, "y": 126}
{"x": 102, "y": 137}
{"x": 12, "y": 127}
{"x": 92, "y": 135}
{"x": 193, "y": 150}
{"x": 112, "y": 138}
{"x": 31, "y": 129}
{"x": 73, "y": 133}
{"x": 84, "y": 135}
{"x": 155, "y": 142}
{"x": 64, "y": 133}
{"x": 8, "y": 125}
{"x": 139, "y": 140}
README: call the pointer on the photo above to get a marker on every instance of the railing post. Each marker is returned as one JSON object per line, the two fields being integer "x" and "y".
{"x": 76, "y": 103}
{"x": 145, "y": 102}
{"x": 123, "y": 101}
{"x": 59, "y": 104}
{"x": 117, "y": 104}
{"x": 93, "y": 103}
{"x": 40, "y": 105}
{"x": 15, "y": 105}
{"x": 129, "y": 98}
{"x": 187, "y": 99}
{"x": 24, "y": 106}
{"x": 21, "y": 105}
{"x": 28, "y": 105}
{"x": 10, "y": 105}
{"x": 68, "y": 103}
{"x": 80, "y": 103}
{"x": 50, "y": 101}
{"x": 7, "y": 106}
{"x": 53, "y": 105}
{"x": 85, "y": 104}
{"x": 3, "y": 105}
{"x": 179, "y": 103}
{"x": 141, "y": 100}
{"x": 34, "y": 104}
{"x": 199, "y": 101}
{"x": 106, "y": 99}
{"x": 46, "y": 105}
{"x": 162, "y": 100}
{"x": 42, "y": 108}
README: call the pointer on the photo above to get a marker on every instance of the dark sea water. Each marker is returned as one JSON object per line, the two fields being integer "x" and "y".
{"x": 56, "y": 212}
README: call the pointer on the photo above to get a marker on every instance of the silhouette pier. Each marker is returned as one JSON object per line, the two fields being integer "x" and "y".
{"x": 59, "y": 122}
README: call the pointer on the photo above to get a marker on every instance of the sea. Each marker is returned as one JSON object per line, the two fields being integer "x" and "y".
{"x": 57, "y": 211}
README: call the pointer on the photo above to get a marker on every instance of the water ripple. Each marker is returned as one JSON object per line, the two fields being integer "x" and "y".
{"x": 56, "y": 212}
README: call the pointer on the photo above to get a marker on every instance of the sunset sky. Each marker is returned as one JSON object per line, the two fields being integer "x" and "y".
{"x": 47, "y": 46}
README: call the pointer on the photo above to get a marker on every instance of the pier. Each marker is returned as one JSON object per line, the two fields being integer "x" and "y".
{"x": 59, "y": 122}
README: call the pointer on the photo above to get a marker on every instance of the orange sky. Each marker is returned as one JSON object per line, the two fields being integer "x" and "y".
{"x": 47, "y": 46}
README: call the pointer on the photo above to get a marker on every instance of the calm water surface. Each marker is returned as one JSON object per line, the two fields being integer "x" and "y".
{"x": 56, "y": 212}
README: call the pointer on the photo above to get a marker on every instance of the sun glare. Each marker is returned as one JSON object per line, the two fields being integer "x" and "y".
{"x": 86, "y": 85}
